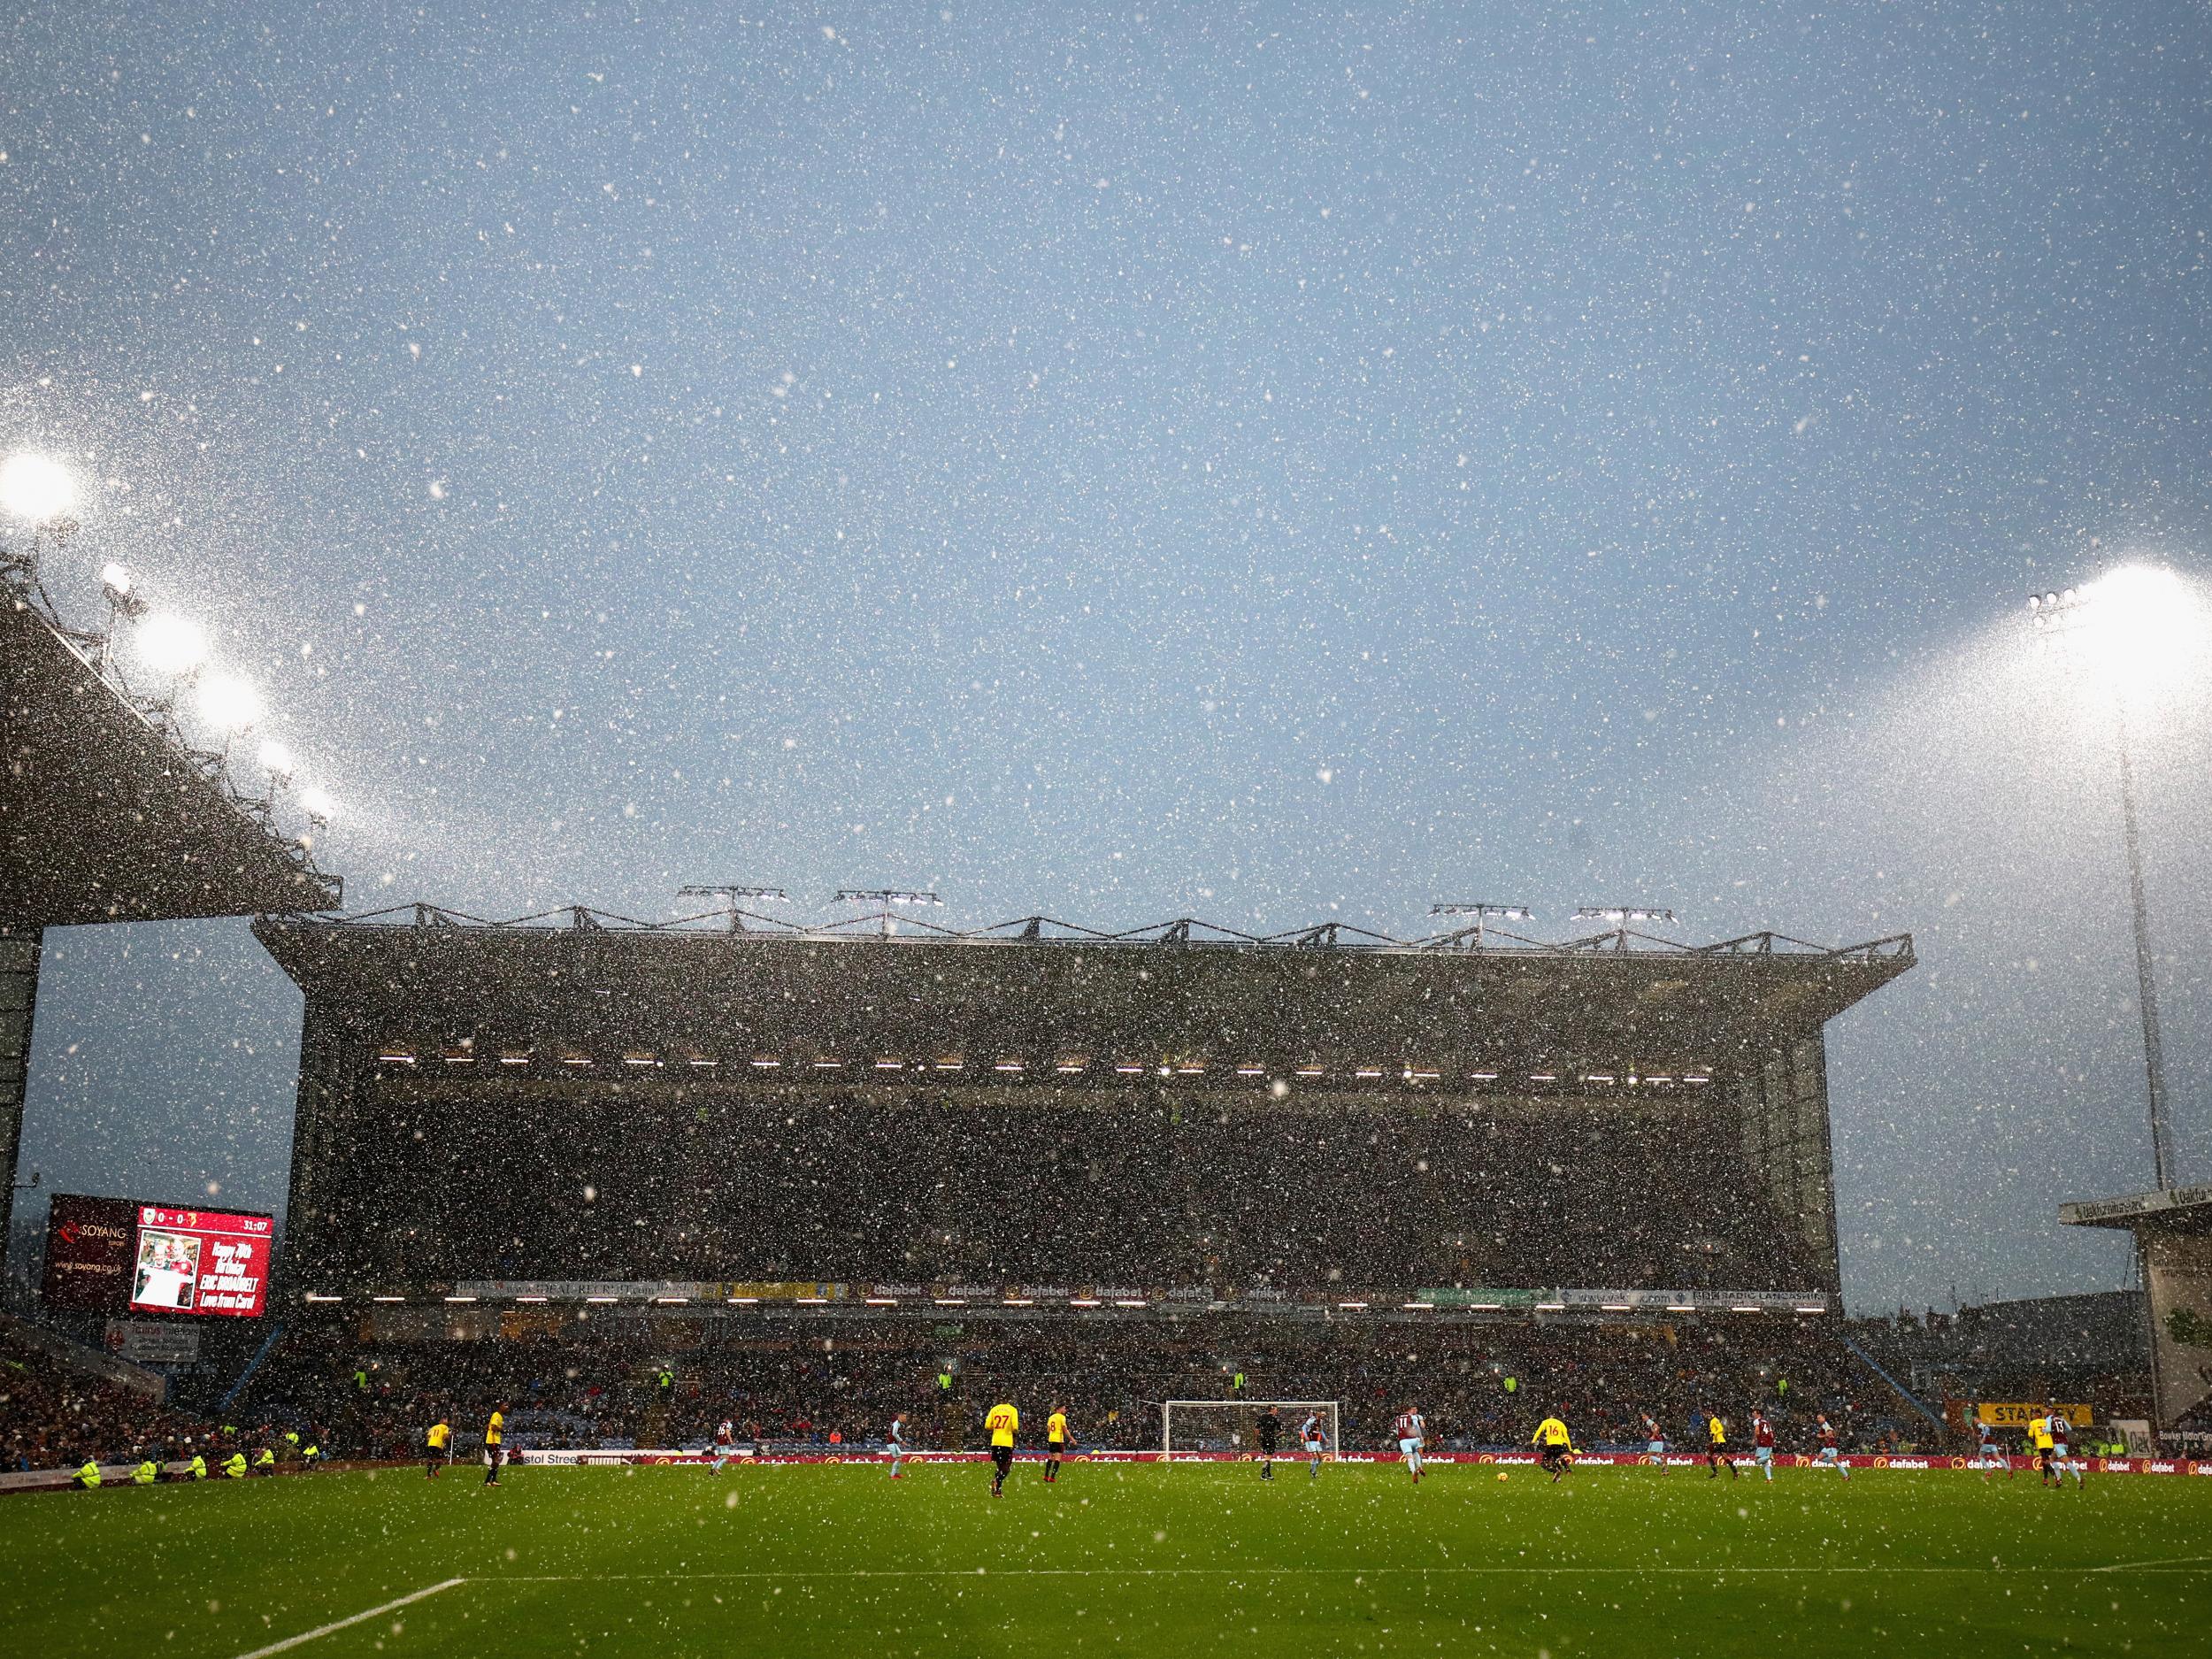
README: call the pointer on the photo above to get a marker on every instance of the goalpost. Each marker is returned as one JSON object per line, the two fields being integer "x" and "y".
{"x": 1224, "y": 1425}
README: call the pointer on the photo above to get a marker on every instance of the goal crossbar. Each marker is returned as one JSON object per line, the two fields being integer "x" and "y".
{"x": 1187, "y": 1409}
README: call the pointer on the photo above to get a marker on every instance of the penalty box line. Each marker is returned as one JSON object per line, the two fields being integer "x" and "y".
{"x": 336, "y": 1625}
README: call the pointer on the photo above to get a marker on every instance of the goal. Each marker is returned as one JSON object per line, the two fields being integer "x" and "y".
{"x": 1191, "y": 1428}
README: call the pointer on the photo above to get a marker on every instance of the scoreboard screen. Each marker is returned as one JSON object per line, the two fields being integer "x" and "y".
{"x": 201, "y": 1262}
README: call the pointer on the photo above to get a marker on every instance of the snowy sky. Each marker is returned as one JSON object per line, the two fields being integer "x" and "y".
{"x": 1275, "y": 463}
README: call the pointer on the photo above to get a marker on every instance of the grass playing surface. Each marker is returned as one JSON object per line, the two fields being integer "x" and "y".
{"x": 1183, "y": 1560}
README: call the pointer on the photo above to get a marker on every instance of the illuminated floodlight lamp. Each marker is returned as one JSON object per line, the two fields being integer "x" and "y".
{"x": 1623, "y": 913}
{"x": 36, "y": 488}
{"x": 172, "y": 644}
{"x": 1499, "y": 912}
{"x": 728, "y": 891}
{"x": 885, "y": 895}
{"x": 2137, "y": 626}
{"x": 276, "y": 760}
{"x": 115, "y": 583}
{"x": 229, "y": 702}
{"x": 317, "y": 804}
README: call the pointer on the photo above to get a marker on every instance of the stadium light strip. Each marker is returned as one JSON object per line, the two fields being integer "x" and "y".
{"x": 1354, "y": 1305}
{"x": 460, "y": 1298}
{"x": 316, "y": 1295}
{"x": 1021, "y": 1301}
{"x": 387, "y": 1299}
{"x": 1420, "y": 1304}
{"x": 1120, "y": 1303}
{"x": 1083, "y": 1301}
{"x": 532, "y": 1299}
{"x": 951, "y": 1301}
{"x": 744, "y": 1301}
{"x": 601, "y": 1299}
{"x": 882, "y": 1301}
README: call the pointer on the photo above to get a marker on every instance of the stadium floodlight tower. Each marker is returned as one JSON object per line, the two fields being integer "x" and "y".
{"x": 2134, "y": 628}
{"x": 1483, "y": 912}
{"x": 731, "y": 892}
{"x": 887, "y": 897}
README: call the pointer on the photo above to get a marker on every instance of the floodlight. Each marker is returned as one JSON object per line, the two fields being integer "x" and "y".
{"x": 230, "y": 702}
{"x": 885, "y": 895}
{"x": 172, "y": 644}
{"x": 319, "y": 805}
{"x": 276, "y": 760}
{"x": 116, "y": 580}
{"x": 2138, "y": 627}
{"x": 1501, "y": 912}
{"x": 1623, "y": 913}
{"x": 36, "y": 488}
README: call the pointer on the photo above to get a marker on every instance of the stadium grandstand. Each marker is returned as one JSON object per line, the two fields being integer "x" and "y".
{"x": 109, "y": 812}
{"x": 885, "y": 1115}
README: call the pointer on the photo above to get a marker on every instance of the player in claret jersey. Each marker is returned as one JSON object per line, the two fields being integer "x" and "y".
{"x": 894, "y": 1442}
{"x": 1762, "y": 1444}
{"x": 2063, "y": 1459}
{"x": 1413, "y": 1431}
{"x": 1655, "y": 1437}
{"x": 1315, "y": 1438}
{"x": 725, "y": 1444}
{"x": 1830, "y": 1455}
{"x": 1988, "y": 1457}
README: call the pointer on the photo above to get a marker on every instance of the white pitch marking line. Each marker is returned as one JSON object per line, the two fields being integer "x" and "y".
{"x": 338, "y": 1624}
{"x": 1234, "y": 1572}
{"x": 2141, "y": 1566}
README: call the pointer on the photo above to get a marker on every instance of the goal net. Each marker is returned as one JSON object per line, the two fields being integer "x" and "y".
{"x": 1197, "y": 1427}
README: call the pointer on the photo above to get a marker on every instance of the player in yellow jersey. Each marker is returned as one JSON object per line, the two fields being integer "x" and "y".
{"x": 1003, "y": 1422}
{"x": 1716, "y": 1450}
{"x": 1555, "y": 1448}
{"x": 438, "y": 1439}
{"x": 495, "y": 1443}
{"x": 1058, "y": 1440}
{"x": 2041, "y": 1441}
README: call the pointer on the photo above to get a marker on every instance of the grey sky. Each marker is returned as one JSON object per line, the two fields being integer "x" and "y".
{"x": 1243, "y": 460}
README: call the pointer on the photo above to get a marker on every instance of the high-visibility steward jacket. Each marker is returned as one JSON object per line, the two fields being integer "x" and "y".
{"x": 146, "y": 1474}
{"x": 89, "y": 1477}
{"x": 235, "y": 1466}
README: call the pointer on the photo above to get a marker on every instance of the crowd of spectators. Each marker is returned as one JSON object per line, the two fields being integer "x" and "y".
{"x": 52, "y": 1416}
{"x": 642, "y": 1382}
{"x": 671, "y": 1384}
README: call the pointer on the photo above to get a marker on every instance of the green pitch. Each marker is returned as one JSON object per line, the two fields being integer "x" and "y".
{"x": 1185, "y": 1562}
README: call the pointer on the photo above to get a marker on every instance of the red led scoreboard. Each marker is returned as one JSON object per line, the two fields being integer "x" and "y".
{"x": 117, "y": 1256}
